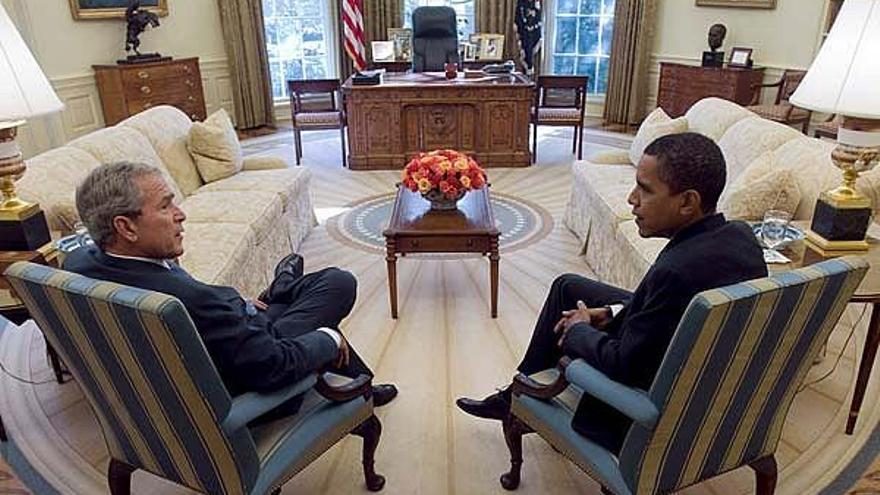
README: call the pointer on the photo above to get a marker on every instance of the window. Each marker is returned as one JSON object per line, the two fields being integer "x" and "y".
{"x": 464, "y": 13}
{"x": 298, "y": 41}
{"x": 582, "y": 40}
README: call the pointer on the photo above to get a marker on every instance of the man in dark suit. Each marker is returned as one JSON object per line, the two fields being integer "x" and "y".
{"x": 258, "y": 345}
{"x": 625, "y": 334}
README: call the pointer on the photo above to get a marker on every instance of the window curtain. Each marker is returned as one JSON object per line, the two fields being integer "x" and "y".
{"x": 630, "y": 61}
{"x": 245, "y": 39}
{"x": 379, "y": 15}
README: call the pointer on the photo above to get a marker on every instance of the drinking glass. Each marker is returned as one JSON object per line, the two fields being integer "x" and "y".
{"x": 774, "y": 227}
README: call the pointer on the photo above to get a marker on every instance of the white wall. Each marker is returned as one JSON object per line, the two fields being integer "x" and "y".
{"x": 66, "y": 50}
{"x": 785, "y": 37}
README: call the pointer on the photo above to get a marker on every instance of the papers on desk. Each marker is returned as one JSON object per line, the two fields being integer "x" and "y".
{"x": 771, "y": 256}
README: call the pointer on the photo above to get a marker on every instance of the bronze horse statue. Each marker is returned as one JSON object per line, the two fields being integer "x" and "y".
{"x": 138, "y": 20}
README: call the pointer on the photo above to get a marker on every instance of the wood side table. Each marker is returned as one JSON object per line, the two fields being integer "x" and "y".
{"x": 416, "y": 228}
{"x": 868, "y": 292}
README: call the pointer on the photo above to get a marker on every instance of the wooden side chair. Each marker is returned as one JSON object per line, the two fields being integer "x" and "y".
{"x": 721, "y": 395}
{"x": 321, "y": 114}
{"x": 560, "y": 101}
{"x": 828, "y": 129}
{"x": 781, "y": 110}
{"x": 161, "y": 403}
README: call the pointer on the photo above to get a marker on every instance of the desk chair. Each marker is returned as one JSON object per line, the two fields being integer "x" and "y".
{"x": 316, "y": 115}
{"x": 161, "y": 403}
{"x": 435, "y": 38}
{"x": 560, "y": 101}
{"x": 781, "y": 110}
{"x": 719, "y": 399}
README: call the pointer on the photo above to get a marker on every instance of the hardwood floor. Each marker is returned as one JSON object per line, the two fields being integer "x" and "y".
{"x": 444, "y": 345}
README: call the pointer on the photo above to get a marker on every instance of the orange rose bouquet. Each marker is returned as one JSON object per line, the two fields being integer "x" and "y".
{"x": 443, "y": 175}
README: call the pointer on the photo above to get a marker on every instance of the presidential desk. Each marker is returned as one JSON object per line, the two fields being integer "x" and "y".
{"x": 487, "y": 117}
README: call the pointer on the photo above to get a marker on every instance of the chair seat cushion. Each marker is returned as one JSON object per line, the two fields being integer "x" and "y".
{"x": 778, "y": 112}
{"x": 552, "y": 420}
{"x": 287, "y": 445}
{"x": 306, "y": 119}
{"x": 547, "y": 114}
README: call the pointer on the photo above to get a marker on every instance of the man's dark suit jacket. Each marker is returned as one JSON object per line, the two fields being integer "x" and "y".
{"x": 709, "y": 254}
{"x": 243, "y": 346}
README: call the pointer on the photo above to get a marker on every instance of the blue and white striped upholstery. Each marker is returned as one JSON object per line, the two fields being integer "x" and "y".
{"x": 157, "y": 395}
{"x": 724, "y": 387}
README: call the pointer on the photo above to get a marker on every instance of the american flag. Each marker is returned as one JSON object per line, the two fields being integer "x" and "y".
{"x": 353, "y": 29}
{"x": 528, "y": 29}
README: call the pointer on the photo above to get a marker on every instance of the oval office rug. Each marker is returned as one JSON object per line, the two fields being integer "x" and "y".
{"x": 520, "y": 222}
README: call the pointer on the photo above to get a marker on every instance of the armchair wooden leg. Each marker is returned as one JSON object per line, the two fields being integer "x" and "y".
{"x": 580, "y": 138}
{"x": 513, "y": 433}
{"x": 55, "y": 361}
{"x": 574, "y": 140}
{"x": 3, "y": 436}
{"x": 606, "y": 491}
{"x": 534, "y": 143}
{"x": 370, "y": 430}
{"x": 119, "y": 477}
{"x": 765, "y": 474}
{"x": 297, "y": 145}
{"x": 342, "y": 137}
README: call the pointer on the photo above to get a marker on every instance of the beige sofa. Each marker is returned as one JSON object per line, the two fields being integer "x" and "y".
{"x": 598, "y": 213}
{"x": 236, "y": 229}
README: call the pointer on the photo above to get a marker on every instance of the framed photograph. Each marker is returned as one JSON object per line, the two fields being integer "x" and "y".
{"x": 112, "y": 9}
{"x": 383, "y": 51}
{"x": 491, "y": 46}
{"x": 740, "y": 57}
{"x": 470, "y": 51}
{"x": 402, "y": 40}
{"x": 746, "y": 4}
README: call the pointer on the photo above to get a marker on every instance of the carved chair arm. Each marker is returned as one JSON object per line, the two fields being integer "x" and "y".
{"x": 362, "y": 385}
{"x": 757, "y": 88}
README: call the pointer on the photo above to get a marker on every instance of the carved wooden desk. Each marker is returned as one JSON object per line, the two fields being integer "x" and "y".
{"x": 415, "y": 228}
{"x": 390, "y": 122}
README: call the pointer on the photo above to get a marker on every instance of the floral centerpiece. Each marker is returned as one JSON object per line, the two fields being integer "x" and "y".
{"x": 443, "y": 177}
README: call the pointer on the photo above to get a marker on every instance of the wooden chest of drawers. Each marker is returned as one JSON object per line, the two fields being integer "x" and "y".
{"x": 683, "y": 85}
{"x": 128, "y": 89}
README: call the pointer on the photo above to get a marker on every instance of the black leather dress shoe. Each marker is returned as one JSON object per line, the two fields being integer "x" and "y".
{"x": 383, "y": 394}
{"x": 494, "y": 406}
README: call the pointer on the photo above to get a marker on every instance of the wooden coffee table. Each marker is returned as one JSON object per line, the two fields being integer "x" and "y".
{"x": 415, "y": 228}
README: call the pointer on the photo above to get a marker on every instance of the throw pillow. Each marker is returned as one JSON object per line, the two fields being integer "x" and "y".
{"x": 655, "y": 125}
{"x": 759, "y": 188}
{"x": 215, "y": 147}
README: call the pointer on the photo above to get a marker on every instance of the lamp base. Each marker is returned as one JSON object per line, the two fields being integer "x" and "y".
{"x": 25, "y": 234}
{"x": 838, "y": 226}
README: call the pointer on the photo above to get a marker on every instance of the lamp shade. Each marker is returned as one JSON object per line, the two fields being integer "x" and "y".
{"x": 24, "y": 90}
{"x": 845, "y": 76}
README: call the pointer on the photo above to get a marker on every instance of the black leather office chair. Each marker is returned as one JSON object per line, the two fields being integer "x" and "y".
{"x": 435, "y": 39}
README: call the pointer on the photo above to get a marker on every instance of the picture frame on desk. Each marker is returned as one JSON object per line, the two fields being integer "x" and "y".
{"x": 112, "y": 9}
{"x": 383, "y": 51}
{"x": 402, "y": 40}
{"x": 491, "y": 46}
{"x": 740, "y": 57}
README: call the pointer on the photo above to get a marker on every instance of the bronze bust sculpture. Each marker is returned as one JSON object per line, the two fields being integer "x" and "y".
{"x": 714, "y": 58}
{"x": 137, "y": 21}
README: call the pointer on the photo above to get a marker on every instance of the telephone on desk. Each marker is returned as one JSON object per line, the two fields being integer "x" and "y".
{"x": 505, "y": 68}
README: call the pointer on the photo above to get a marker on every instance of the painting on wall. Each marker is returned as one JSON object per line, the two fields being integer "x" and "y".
{"x": 113, "y": 9}
{"x": 746, "y": 4}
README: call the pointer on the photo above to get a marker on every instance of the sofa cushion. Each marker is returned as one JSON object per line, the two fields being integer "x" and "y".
{"x": 810, "y": 161}
{"x": 51, "y": 179}
{"x": 711, "y": 117}
{"x": 655, "y": 125}
{"x": 260, "y": 210}
{"x": 214, "y": 146}
{"x": 286, "y": 183}
{"x": 215, "y": 252}
{"x": 748, "y": 139}
{"x": 121, "y": 143}
{"x": 167, "y": 129}
{"x": 636, "y": 254}
{"x": 760, "y": 188}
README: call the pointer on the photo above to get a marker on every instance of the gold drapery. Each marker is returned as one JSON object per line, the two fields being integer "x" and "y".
{"x": 245, "y": 39}
{"x": 630, "y": 61}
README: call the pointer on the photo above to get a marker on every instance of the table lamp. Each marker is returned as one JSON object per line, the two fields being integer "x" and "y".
{"x": 24, "y": 93}
{"x": 844, "y": 79}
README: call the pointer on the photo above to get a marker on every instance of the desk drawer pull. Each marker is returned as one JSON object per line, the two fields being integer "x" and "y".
{"x": 146, "y": 90}
{"x": 189, "y": 83}
{"x": 143, "y": 74}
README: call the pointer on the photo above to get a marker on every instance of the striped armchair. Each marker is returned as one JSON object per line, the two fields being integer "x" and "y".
{"x": 161, "y": 403}
{"x": 720, "y": 397}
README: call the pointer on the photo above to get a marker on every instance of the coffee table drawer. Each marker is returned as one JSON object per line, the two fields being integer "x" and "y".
{"x": 463, "y": 244}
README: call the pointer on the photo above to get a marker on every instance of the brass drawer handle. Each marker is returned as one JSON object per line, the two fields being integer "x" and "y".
{"x": 190, "y": 83}
{"x": 143, "y": 74}
{"x": 191, "y": 98}
{"x": 147, "y": 105}
{"x": 193, "y": 116}
{"x": 470, "y": 243}
{"x": 187, "y": 69}
{"x": 414, "y": 243}
{"x": 146, "y": 90}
